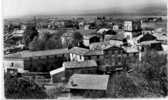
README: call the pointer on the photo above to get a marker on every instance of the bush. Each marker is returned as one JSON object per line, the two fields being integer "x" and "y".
{"x": 20, "y": 88}
{"x": 120, "y": 85}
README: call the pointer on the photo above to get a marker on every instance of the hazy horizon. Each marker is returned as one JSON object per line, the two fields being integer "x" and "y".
{"x": 19, "y": 8}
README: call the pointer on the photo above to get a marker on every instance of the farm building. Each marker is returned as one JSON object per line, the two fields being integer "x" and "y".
{"x": 84, "y": 67}
{"x": 91, "y": 86}
{"x": 45, "y": 60}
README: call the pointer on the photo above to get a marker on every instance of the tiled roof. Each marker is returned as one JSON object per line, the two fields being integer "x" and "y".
{"x": 94, "y": 52}
{"x": 100, "y": 45}
{"x": 81, "y": 64}
{"x": 88, "y": 81}
{"x": 78, "y": 50}
{"x": 104, "y": 45}
{"x": 25, "y": 54}
{"x": 130, "y": 49}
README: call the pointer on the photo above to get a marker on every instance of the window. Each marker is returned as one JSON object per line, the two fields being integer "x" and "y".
{"x": 109, "y": 52}
{"x": 115, "y": 51}
{"x": 12, "y": 64}
{"x": 121, "y": 52}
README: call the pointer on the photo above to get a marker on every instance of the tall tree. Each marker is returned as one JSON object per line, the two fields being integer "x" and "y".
{"x": 77, "y": 38}
{"x": 29, "y": 34}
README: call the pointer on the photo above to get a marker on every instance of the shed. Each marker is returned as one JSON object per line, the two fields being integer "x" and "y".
{"x": 88, "y": 85}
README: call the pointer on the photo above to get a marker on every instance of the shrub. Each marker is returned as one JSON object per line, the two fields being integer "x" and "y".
{"x": 20, "y": 88}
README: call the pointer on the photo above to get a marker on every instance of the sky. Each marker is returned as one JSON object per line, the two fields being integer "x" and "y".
{"x": 32, "y": 7}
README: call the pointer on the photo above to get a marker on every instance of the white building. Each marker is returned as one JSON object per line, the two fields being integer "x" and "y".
{"x": 77, "y": 53}
{"x": 10, "y": 64}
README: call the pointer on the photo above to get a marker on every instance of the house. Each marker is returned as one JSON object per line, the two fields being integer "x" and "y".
{"x": 161, "y": 37}
{"x": 77, "y": 53}
{"x": 133, "y": 26}
{"x": 86, "y": 27}
{"x": 90, "y": 86}
{"x": 105, "y": 44}
{"x": 118, "y": 58}
{"x": 82, "y": 54}
{"x": 147, "y": 37}
{"x": 117, "y": 36}
{"x": 16, "y": 35}
{"x": 113, "y": 58}
{"x": 46, "y": 60}
{"x": 133, "y": 54}
{"x": 88, "y": 39}
{"x": 83, "y": 67}
{"x": 16, "y": 64}
{"x": 58, "y": 75}
{"x": 115, "y": 27}
{"x": 67, "y": 38}
{"x": 153, "y": 44}
{"x": 102, "y": 30}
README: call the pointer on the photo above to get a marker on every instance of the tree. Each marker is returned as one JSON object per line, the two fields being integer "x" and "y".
{"x": 45, "y": 42}
{"x": 121, "y": 85}
{"x": 20, "y": 88}
{"x": 153, "y": 68}
{"x": 155, "y": 62}
{"x": 53, "y": 44}
{"x": 29, "y": 34}
{"x": 37, "y": 44}
{"x": 77, "y": 38}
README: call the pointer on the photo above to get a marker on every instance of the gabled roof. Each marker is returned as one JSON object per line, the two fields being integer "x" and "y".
{"x": 78, "y": 50}
{"x": 88, "y": 82}
{"x": 81, "y": 64}
{"x": 147, "y": 37}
